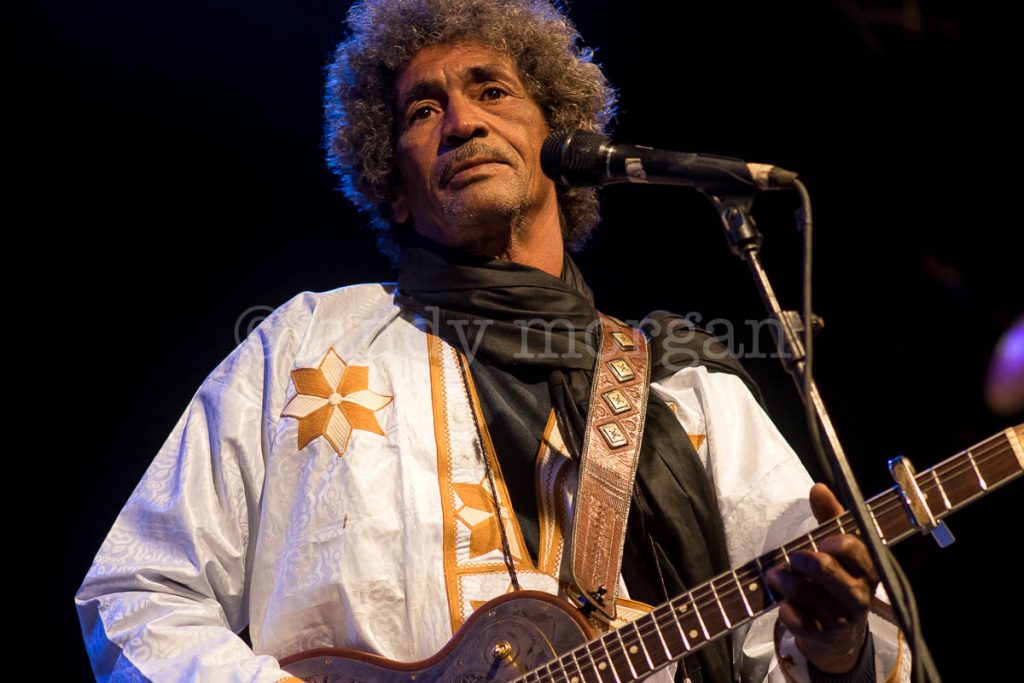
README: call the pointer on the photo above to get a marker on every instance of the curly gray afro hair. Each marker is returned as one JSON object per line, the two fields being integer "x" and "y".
{"x": 359, "y": 117}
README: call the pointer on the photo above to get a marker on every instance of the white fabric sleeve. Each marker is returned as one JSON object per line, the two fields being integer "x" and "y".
{"x": 762, "y": 490}
{"x": 168, "y": 589}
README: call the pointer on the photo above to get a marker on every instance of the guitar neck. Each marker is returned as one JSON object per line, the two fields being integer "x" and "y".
{"x": 712, "y": 609}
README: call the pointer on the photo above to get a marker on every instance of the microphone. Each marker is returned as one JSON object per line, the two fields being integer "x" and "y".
{"x": 580, "y": 158}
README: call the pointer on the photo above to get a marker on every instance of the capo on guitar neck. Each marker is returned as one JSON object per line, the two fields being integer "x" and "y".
{"x": 921, "y": 516}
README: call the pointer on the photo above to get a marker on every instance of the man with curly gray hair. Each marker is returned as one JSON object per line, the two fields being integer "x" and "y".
{"x": 557, "y": 74}
{"x": 376, "y": 462}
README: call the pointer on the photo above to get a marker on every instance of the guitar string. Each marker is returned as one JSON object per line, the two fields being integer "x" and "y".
{"x": 887, "y": 502}
{"x": 983, "y": 453}
{"x": 658, "y": 621}
{"x": 654, "y": 623}
{"x": 947, "y": 468}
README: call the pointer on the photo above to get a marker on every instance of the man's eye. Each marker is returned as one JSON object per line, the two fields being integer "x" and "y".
{"x": 493, "y": 93}
{"x": 420, "y": 113}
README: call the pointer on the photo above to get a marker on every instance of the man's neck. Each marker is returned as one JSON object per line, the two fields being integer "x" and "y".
{"x": 541, "y": 249}
{"x": 535, "y": 240}
{"x": 532, "y": 238}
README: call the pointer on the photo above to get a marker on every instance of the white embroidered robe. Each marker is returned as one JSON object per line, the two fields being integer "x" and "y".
{"x": 324, "y": 488}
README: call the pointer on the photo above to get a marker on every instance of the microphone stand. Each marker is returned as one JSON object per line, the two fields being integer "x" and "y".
{"x": 745, "y": 242}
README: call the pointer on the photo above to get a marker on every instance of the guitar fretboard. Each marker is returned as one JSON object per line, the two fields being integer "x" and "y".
{"x": 714, "y": 608}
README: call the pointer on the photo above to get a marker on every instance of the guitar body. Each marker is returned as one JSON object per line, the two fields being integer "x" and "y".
{"x": 504, "y": 639}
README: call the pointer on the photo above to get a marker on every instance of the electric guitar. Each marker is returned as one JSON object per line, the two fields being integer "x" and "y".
{"x": 530, "y": 636}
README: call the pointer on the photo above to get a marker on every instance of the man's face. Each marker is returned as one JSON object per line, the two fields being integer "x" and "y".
{"x": 468, "y": 148}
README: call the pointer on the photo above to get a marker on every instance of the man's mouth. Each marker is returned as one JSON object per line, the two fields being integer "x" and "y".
{"x": 458, "y": 167}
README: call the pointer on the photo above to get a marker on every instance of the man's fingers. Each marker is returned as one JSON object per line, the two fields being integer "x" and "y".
{"x": 827, "y": 592}
{"x": 853, "y": 555}
{"x": 850, "y": 594}
{"x": 818, "y": 618}
{"x": 797, "y": 621}
{"x": 819, "y": 594}
{"x": 824, "y": 503}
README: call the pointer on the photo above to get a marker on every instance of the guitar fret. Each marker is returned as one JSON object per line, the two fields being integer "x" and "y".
{"x": 994, "y": 466}
{"x": 878, "y": 528}
{"x": 560, "y": 669}
{"x": 814, "y": 544}
{"x": 625, "y": 653}
{"x": 579, "y": 670}
{"x": 764, "y": 581}
{"x": 890, "y": 517}
{"x": 679, "y": 625}
{"x": 700, "y": 619}
{"x": 999, "y": 470}
{"x": 657, "y": 628}
{"x": 593, "y": 663}
{"x": 942, "y": 490}
{"x": 721, "y": 607}
{"x": 609, "y": 660}
{"x": 755, "y": 588}
{"x": 981, "y": 479}
{"x": 743, "y": 594}
{"x": 643, "y": 645}
{"x": 734, "y": 602}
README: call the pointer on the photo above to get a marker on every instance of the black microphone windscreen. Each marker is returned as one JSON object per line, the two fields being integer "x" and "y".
{"x": 574, "y": 157}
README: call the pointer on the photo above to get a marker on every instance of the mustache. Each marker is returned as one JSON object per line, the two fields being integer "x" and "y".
{"x": 472, "y": 150}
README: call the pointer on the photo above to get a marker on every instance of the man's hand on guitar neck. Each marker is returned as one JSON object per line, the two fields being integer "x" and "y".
{"x": 828, "y": 593}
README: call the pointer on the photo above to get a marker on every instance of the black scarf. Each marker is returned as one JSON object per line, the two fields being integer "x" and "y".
{"x": 674, "y": 537}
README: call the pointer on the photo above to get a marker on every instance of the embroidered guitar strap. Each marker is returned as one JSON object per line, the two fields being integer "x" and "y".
{"x": 611, "y": 450}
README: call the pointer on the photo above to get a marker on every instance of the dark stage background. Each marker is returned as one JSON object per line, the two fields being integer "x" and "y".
{"x": 180, "y": 193}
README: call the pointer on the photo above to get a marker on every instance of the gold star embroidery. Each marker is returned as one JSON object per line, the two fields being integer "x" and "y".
{"x": 697, "y": 440}
{"x": 477, "y": 513}
{"x": 332, "y": 400}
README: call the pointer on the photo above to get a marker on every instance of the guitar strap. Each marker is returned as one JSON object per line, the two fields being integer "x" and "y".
{"x": 608, "y": 463}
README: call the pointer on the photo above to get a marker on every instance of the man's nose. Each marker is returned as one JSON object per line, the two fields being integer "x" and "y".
{"x": 462, "y": 121}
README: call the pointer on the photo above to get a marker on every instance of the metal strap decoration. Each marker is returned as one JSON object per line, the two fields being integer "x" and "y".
{"x": 611, "y": 449}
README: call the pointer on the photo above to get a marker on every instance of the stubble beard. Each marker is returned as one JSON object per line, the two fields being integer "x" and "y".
{"x": 489, "y": 228}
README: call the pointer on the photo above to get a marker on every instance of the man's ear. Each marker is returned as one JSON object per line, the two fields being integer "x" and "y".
{"x": 400, "y": 206}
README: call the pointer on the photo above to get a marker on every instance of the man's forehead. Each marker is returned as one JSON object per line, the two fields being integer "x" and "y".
{"x": 436, "y": 65}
